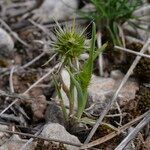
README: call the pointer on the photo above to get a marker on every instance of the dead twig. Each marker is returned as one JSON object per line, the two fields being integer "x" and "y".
{"x": 132, "y": 52}
{"x": 42, "y": 138}
{"x": 42, "y": 78}
{"x": 13, "y": 33}
{"x": 120, "y": 112}
{"x": 32, "y": 61}
{"x": 134, "y": 132}
{"x": 41, "y": 27}
{"x": 33, "y": 130}
{"x": 114, "y": 133}
{"x": 8, "y": 107}
{"x": 11, "y": 79}
{"x": 100, "y": 58}
{"x": 14, "y": 95}
{"x": 121, "y": 33}
{"x": 31, "y": 139}
{"x": 105, "y": 111}
{"x": 10, "y": 117}
{"x": 32, "y": 86}
{"x": 35, "y": 6}
{"x": 116, "y": 115}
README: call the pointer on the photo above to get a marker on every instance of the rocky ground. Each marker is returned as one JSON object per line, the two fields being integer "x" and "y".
{"x": 30, "y": 115}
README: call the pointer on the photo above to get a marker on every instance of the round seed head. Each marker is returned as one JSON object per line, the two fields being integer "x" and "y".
{"x": 70, "y": 42}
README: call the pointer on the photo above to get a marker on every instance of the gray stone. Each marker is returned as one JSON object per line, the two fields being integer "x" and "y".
{"x": 101, "y": 91}
{"x": 88, "y": 8}
{"x": 56, "y": 9}
{"x": 3, "y": 135}
{"x": 57, "y": 131}
{"x": 128, "y": 91}
{"x": 116, "y": 74}
{"x": 100, "y": 88}
{"x": 54, "y": 114}
{"x": 15, "y": 143}
{"x": 6, "y": 43}
{"x": 143, "y": 11}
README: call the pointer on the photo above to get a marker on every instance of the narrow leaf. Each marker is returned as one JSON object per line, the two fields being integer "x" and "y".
{"x": 60, "y": 97}
{"x": 79, "y": 95}
{"x": 86, "y": 71}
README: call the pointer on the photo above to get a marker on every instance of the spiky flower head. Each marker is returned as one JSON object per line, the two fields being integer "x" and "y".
{"x": 70, "y": 41}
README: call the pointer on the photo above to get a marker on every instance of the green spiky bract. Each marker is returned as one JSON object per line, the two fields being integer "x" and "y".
{"x": 70, "y": 42}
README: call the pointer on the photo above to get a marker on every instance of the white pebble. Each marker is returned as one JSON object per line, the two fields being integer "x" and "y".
{"x": 6, "y": 42}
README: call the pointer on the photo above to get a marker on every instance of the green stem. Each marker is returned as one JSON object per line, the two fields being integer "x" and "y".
{"x": 69, "y": 96}
{"x": 61, "y": 99}
{"x": 72, "y": 96}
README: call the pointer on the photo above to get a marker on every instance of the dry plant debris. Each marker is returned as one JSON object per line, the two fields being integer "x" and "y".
{"x": 30, "y": 117}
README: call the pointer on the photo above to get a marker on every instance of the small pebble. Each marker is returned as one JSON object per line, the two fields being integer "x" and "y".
{"x": 116, "y": 74}
{"x": 6, "y": 43}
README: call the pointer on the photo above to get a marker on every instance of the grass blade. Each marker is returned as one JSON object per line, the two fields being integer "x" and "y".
{"x": 60, "y": 97}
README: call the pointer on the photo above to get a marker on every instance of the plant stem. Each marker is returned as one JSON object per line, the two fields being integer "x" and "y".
{"x": 72, "y": 96}
{"x": 61, "y": 99}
